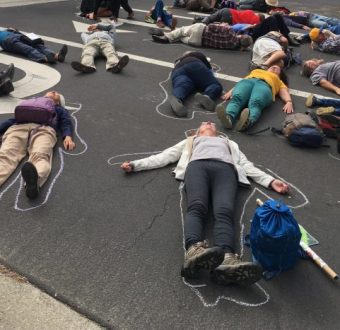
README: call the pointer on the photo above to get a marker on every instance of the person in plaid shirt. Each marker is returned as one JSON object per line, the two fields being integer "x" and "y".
{"x": 219, "y": 35}
{"x": 325, "y": 41}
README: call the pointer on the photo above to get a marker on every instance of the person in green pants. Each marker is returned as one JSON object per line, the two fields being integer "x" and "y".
{"x": 251, "y": 95}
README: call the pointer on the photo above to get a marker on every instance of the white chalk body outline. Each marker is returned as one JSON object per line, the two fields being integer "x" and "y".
{"x": 194, "y": 288}
{"x": 74, "y": 107}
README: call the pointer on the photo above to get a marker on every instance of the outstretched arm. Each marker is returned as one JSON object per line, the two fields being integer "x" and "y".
{"x": 168, "y": 156}
{"x": 287, "y": 99}
{"x": 329, "y": 86}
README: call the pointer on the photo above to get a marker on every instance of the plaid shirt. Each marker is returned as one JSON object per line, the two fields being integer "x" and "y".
{"x": 220, "y": 36}
{"x": 331, "y": 45}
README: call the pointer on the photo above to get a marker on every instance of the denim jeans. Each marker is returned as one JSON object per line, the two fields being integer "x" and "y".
{"x": 13, "y": 44}
{"x": 159, "y": 12}
{"x": 329, "y": 103}
{"x": 320, "y": 21}
{"x": 254, "y": 94}
{"x": 215, "y": 181}
{"x": 194, "y": 76}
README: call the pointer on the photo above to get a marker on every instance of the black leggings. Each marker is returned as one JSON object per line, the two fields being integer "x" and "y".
{"x": 271, "y": 23}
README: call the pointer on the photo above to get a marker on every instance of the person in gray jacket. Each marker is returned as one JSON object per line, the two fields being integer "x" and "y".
{"x": 211, "y": 167}
{"x": 99, "y": 41}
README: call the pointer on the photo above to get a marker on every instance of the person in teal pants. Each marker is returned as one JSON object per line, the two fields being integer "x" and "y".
{"x": 251, "y": 95}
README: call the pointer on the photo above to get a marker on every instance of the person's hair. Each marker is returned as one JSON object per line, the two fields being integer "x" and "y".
{"x": 306, "y": 70}
{"x": 262, "y": 17}
{"x": 246, "y": 41}
{"x": 284, "y": 77}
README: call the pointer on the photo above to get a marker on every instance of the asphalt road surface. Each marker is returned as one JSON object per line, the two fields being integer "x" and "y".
{"x": 111, "y": 245}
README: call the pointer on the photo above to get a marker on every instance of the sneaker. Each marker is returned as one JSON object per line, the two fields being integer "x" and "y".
{"x": 149, "y": 19}
{"x": 223, "y": 117}
{"x": 205, "y": 101}
{"x": 160, "y": 24}
{"x": 160, "y": 39}
{"x": 235, "y": 271}
{"x": 123, "y": 61}
{"x": 198, "y": 19}
{"x": 131, "y": 15}
{"x": 310, "y": 101}
{"x": 178, "y": 107}
{"x": 62, "y": 53}
{"x": 200, "y": 256}
{"x": 30, "y": 175}
{"x": 82, "y": 68}
{"x": 156, "y": 32}
{"x": 325, "y": 111}
{"x": 51, "y": 58}
{"x": 6, "y": 87}
{"x": 243, "y": 122}
{"x": 8, "y": 73}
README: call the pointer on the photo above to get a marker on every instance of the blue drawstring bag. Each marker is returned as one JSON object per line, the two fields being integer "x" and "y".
{"x": 274, "y": 238}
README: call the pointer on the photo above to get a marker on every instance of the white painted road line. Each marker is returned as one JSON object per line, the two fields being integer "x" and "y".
{"x": 166, "y": 64}
{"x": 38, "y": 78}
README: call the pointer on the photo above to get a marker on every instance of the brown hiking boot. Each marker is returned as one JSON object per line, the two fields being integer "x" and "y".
{"x": 243, "y": 123}
{"x": 235, "y": 271}
{"x": 223, "y": 117}
{"x": 198, "y": 256}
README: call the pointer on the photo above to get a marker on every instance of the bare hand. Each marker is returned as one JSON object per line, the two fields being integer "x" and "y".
{"x": 226, "y": 96}
{"x": 337, "y": 91}
{"x": 306, "y": 28}
{"x": 279, "y": 186}
{"x": 288, "y": 107}
{"x": 92, "y": 27}
{"x": 126, "y": 166}
{"x": 68, "y": 143}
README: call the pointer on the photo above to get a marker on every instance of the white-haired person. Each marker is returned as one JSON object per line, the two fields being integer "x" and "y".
{"x": 20, "y": 138}
{"x": 212, "y": 167}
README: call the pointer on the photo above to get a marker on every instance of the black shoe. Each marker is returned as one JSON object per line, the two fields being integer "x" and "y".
{"x": 303, "y": 38}
{"x": 30, "y": 176}
{"x": 62, "y": 53}
{"x": 198, "y": 19}
{"x": 8, "y": 73}
{"x": 51, "y": 59}
{"x": 121, "y": 64}
{"x": 81, "y": 67}
{"x": 6, "y": 87}
{"x": 160, "y": 39}
{"x": 292, "y": 42}
{"x": 156, "y": 32}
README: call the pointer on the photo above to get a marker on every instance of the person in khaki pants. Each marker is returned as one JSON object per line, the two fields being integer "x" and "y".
{"x": 99, "y": 41}
{"x": 38, "y": 141}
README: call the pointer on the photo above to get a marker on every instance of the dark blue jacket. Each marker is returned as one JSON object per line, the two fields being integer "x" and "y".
{"x": 64, "y": 123}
